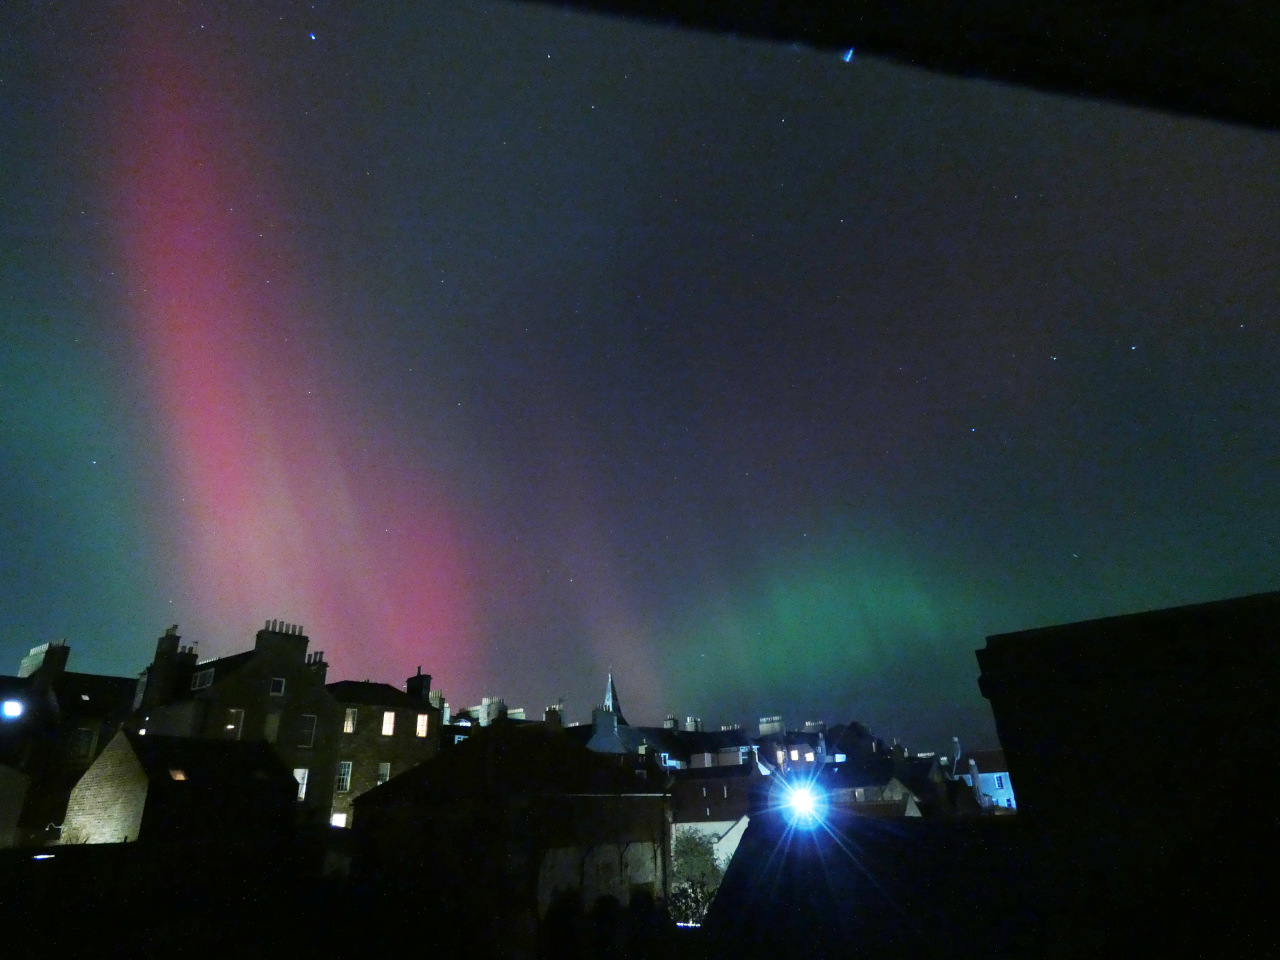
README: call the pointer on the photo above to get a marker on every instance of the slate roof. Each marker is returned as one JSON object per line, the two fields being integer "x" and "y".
{"x": 209, "y": 763}
{"x": 505, "y": 758}
{"x": 91, "y": 695}
{"x": 371, "y": 694}
{"x": 221, "y": 666}
{"x": 988, "y": 761}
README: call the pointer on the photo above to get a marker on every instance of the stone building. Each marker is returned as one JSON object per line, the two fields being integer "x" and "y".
{"x": 338, "y": 739}
{"x": 53, "y": 723}
{"x": 383, "y": 733}
{"x": 159, "y": 789}
{"x": 520, "y": 817}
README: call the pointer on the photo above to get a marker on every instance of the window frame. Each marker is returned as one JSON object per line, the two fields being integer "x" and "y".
{"x": 307, "y": 733}
{"x": 388, "y": 723}
{"x": 272, "y": 687}
{"x": 423, "y": 725}
{"x": 342, "y": 779}
{"x": 349, "y": 718}
{"x": 202, "y": 679}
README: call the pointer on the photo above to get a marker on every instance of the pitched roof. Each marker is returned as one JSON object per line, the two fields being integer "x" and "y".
{"x": 91, "y": 695}
{"x": 988, "y": 761}
{"x": 371, "y": 694}
{"x": 505, "y": 758}
{"x": 208, "y": 762}
{"x": 221, "y": 667}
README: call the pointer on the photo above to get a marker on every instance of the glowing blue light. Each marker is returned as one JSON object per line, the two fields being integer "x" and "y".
{"x": 13, "y": 708}
{"x": 805, "y": 805}
{"x": 848, "y": 55}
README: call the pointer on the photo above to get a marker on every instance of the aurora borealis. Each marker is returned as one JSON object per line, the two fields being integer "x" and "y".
{"x": 521, "y": 344}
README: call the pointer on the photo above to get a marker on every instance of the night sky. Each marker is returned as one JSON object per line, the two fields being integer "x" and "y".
{"x": 521, "y": 345}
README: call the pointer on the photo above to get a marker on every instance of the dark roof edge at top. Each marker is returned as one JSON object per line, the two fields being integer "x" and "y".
{"x": 1213, "y": 60}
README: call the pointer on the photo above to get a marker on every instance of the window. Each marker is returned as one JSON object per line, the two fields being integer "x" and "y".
{"x": 859, "y": 795}
{"x": 459, "y": 737}
{"x": 300, "y": 774}
{"x": 277, "y": 686}
{"x": 271, "y": 729}
{"x": 809, "y": 756}
{"x": 666, "y": 759}
{"x": 178, "y": 774}
{"x": 704, "y": 791}
{"x": 1008, "y": 802}
{"x": 342, "y": 782}
{"x": 726, "y": 791}
{"x": 307, "y": 730}
{"x": 781, "y": 756}
{"x": 795, "y": 754}
{"x": 388, "y": 722}
{"x": 384, "y": 773}
{"x": 422, "y": 725}
{"x": 999, "y": 782}
{"x": 202, "y": 679}
{"x": 82, "y": 743}
{"x": 349, "y": 720}
{"x": 235, "y": 723}
{"x": 338, "y": 820}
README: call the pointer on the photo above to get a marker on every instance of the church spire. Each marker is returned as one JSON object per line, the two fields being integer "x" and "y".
{"x": 611, "y": 701}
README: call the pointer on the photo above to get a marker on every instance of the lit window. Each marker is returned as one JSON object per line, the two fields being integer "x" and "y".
{"x": 666, "y": 759}
{"x": 338, "y": 820}
{"x": 840, "y": 758}
{"x": 349, "y": 721}
{"x": 235, "y": 723}
{"x": 388, "y": 722}
{"x": 384, "y": 773}
{"x": 809, "y": 756}
{"x": 202, "y": 679}
{"x": 178, "y": 774}
{"x": 307, "y": 730}
{"x": 342, "y": 782}
{"x": 300, "y": 774}
{"x": 422, "y": 725}
{"x": 781, "y": 756}
{"x": 726, "y": 791}
{"x": 704, "y": 791}
{"x": 795, "y": 754}
{"x": 277, "y": 686}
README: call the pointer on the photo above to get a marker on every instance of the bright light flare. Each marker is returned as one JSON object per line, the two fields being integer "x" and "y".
{"x": 802, "y": 802}
{"x": 12, "y": 708}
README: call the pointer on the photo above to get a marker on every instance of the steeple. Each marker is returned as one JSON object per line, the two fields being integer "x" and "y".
{"x": 611, "y": 701}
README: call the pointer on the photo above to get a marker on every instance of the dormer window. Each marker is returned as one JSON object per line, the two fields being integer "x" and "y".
{"x": 277, "y": 686}
{"x": 202, "y": 679}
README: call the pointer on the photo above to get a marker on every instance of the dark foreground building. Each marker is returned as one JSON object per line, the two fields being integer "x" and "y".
{"x": 1139, "y": 745}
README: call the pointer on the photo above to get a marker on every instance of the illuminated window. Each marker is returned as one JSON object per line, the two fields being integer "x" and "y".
{"x": 384, "y": 773}
{"x": 704, "y": 791}
{"x": 178, "y": 774}
{"x": 388, "y": 722}
{"x": 726, "y": 791}
{"x": 307, "y": 730}
{"x": 795, "y": 754}
{"x": 338, "y": 820}
{"x": 349, "y": 720}
{"x": 809, "y": 756}
{"x": 422, "y": 725}
{"x": 300, "y": 774}
{"x": 342, "y": 782}
{"x": 277, "y": 686}
{"x": 781, "y": 756}
{"x": 202, "y": 679}
{"x": 235, "y": 723}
